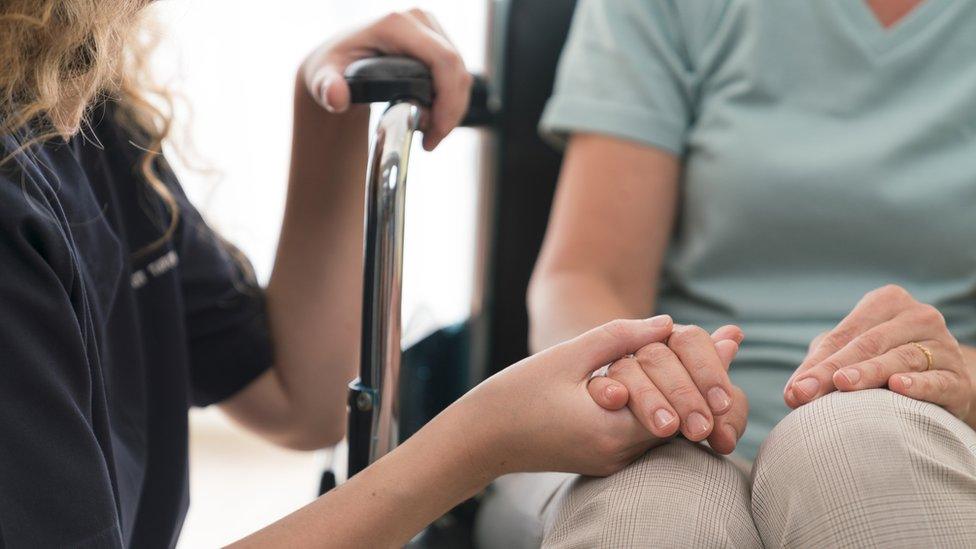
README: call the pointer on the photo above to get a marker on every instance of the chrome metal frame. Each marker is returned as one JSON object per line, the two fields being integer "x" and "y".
{"x": 372, "y": 399}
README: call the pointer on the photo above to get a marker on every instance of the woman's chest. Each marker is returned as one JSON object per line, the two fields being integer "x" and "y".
{"x": 811, "y": 146}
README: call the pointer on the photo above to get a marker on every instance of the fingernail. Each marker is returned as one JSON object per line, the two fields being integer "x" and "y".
{"x": 732, "y": 433}
{"x": 660, "y": 321}
{"x": 323, "y": 90}
{"x": 719, "y": 400}
{"x": 609, "y": 391}
{"x": 852, "y": 375}
{"x": 663, "y": 418}
{"x": 807, "y": 388}
{"x": 906, "y": 381}
{"x": 697, "y": 424}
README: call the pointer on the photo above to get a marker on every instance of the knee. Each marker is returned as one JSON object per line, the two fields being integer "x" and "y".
{"x": 859, "y": 430}
{"x": 836, "y": 423}
{"x": 836, "y": 435}
{"x": 837, "y": 452}
{"x": 678, "y": 489}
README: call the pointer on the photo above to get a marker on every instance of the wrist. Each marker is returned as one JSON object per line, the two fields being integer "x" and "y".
{"x": 479, "y": 435}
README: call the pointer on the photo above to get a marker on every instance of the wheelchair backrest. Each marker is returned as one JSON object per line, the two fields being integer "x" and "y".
{"x": 527, "y": 39}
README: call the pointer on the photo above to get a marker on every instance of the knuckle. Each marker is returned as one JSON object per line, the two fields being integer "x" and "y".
{"x": 683, "y": 392}
{"x": 653, "y": 354}
{"x": 646, "y": 394}
{"x": 872, "y": 370}
{"x": 870, "y": 344}
{"x": 831, "y": 365}
{"x": 839, "y": 336}
{"x": 928, "y": 314}
{"x": 686, "y": 336}
{"x": 618, "y": 330}
{"x": 942, "y": 382}
{"x": 620, "y": 367}
{"x": 892, "y": 291}
{"x": 911, "y": 358}
{"x": 394, "y": 18}
{"x": 449, "y": 59}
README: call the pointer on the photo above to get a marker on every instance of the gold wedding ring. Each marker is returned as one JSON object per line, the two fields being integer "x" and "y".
{"x": 928, "y": 354}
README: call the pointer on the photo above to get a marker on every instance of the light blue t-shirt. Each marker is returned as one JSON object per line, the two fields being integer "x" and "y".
{"x": 824, "y": 156}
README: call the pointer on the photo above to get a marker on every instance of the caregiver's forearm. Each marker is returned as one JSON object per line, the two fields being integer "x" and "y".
{"x": 314, "y": 295}
{"x": 564, "y": 304}
{"x": 443, "y": 464}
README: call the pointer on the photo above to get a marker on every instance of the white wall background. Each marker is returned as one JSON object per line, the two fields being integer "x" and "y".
{"x": 235, "y": 61}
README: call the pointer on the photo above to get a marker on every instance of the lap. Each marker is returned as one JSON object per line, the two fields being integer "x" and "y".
{"x": 680, "y": 494}
{"x": 857, "y": 468}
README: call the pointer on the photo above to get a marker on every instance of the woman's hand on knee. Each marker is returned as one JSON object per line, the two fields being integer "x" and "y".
{"x": 680, "y": 386}
{"x": 890, "y": 340}
{"x": 414, "y": 33}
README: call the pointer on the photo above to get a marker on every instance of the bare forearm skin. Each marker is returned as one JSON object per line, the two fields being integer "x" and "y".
{"x": 448, "y": 461}
{"x": 563, "y": 305}
{"x": 314, "y": 296}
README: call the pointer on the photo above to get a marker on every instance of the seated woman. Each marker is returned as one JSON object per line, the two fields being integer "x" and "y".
{"x": 806, "y": 171}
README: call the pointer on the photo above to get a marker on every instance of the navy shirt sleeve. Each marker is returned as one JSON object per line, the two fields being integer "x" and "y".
{"x": 226, "y": 320}
{"x": 55, "y": 485}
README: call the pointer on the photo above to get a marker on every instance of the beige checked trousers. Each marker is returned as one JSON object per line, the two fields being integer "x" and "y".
{"x": 862, "y": 469}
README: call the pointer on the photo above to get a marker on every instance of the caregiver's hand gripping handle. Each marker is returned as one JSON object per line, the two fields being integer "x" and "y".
{"x": 415, "y": 34}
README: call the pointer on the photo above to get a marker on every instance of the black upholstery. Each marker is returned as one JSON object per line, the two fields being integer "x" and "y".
{"x": 532, "y": 35}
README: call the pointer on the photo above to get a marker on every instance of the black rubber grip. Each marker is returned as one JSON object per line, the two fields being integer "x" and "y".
{"x": 386, "y": 79}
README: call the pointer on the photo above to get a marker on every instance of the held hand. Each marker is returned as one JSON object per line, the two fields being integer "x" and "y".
{"x": 413, "y": 33}
{"x": 540, "y": 417}
{"x": 889, "y": 340}
{"x": 681, "y": 385}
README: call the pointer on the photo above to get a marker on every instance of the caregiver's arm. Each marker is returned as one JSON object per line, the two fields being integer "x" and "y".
{"x": 610, "y": 225}
{"x": 315, "y": 293}
{"x": 533, "y": 416}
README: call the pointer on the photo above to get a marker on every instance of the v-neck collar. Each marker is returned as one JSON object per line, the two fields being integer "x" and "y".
{"x": 879, "y": 39}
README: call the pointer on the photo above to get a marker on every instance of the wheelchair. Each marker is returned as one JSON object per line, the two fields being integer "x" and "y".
{"x": 399, "y": 390}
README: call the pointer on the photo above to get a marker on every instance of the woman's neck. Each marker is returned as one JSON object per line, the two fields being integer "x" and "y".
{"x": 890, "y": 12}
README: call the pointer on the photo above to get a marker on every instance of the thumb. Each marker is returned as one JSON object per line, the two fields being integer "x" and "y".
{"x": 613, "y": 340}
{"x": 609, "y": 394}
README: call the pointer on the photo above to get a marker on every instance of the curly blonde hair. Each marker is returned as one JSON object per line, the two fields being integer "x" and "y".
{"x": 58, "y": 58}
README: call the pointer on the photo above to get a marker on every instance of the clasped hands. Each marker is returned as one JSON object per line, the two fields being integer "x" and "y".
{"x": 889, "y": 340}
{"x": 680, "y": 385}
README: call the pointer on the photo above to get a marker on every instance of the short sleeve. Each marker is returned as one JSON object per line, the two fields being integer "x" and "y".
{"x": 626, "y": 71}
{"x": 226, "y": 317}
{"x": 55, "y": 485}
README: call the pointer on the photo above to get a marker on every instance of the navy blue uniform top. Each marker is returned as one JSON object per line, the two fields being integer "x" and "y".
{"x": 103, "y": 350}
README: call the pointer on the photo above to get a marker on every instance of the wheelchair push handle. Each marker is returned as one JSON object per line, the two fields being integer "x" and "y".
{"x": 391, "y": 79}
{"x": 407, "y": 86}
